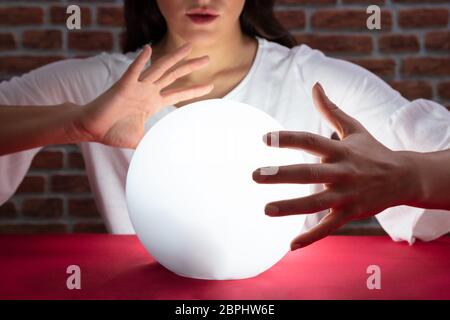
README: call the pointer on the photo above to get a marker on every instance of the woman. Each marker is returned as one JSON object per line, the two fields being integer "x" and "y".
{"x": 238, "y": 51}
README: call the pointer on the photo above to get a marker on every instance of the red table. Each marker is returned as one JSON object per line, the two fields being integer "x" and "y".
{"x": 117, "y": 267}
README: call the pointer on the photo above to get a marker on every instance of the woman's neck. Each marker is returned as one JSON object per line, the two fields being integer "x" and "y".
{"x": 229, "y": 51}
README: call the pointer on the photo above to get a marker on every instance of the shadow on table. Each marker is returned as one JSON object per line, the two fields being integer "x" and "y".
{"x": 153, "y": 281}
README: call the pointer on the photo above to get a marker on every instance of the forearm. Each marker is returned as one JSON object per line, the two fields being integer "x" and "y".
{"x": 27, "y": 127}
{"x": 432, "y": 179}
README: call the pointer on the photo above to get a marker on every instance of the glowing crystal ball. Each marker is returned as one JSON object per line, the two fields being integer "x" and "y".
{"x": 191, "y": 196}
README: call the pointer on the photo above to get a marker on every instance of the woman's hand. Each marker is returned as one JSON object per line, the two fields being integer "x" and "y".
{"x": 361, "y": 176}
{"x": 117, "y": 117}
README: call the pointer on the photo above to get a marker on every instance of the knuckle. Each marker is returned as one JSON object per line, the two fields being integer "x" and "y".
{"x": 157, "y": 69}
{"x": 287, "y": 207}
{"x": 314, "y": 172}
{"x": 285, "y": 138}
{"x": 345, "y": 175}
{"x": 309, "y": 139}
{"x": 174, "y": 74}
{"x": 346, "y": 151}
{"x": 343, "y": 172}
{"x": 292, "y": 207}
{"x": 318, "y": 203}
{"x": 346, "y": 130}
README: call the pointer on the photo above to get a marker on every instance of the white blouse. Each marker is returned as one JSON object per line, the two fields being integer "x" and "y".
{"x": 279, "y": 83}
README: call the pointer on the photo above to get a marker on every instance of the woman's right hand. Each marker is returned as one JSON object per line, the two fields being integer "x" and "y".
{"x": 117, "y": 117}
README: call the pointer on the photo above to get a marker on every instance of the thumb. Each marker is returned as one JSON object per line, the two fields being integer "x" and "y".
{"x": 338, "y": 119}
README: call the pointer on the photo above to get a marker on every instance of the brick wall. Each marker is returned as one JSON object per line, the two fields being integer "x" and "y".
{"x": 411, "y": 52}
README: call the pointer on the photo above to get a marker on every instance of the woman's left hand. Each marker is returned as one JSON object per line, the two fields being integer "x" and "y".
{"x": 361, "y": 176}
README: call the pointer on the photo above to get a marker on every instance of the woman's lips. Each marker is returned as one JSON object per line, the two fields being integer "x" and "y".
{"x": 201, "y": 18}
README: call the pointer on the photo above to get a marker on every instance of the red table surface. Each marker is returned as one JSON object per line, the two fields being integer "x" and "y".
{"x": 118, "y": 267}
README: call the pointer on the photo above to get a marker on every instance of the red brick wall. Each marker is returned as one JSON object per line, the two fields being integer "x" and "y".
{"x": 411, "y": 52}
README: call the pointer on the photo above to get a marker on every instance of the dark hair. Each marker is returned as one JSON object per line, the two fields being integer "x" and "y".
{"x": 145, "y": 23}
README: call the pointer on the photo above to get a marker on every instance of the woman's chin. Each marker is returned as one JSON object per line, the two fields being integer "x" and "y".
{"x": 202, "y": 38}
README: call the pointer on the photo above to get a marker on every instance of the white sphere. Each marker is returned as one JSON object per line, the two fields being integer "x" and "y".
{"x": 191, "y": 196}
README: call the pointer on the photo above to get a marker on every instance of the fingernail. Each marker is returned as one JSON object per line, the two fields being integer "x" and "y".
{"x": 146, "y": 48}
{"x": 323, "y": 92}
{"x": 320, "y": 86}
{"x": 256, "y": 175}
{"x": 266, "y": 138}
{"x": 271, "y": 210}
{"x": 270, "y": 138}
{"x": 268, "y": 171}
{"x": 295, "y": 246}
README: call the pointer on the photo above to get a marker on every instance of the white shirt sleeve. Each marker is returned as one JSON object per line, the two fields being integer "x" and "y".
{"x": 75, "y": 80}
{"x": 419, "y": 125}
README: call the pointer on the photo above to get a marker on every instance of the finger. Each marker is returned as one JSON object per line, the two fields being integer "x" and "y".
{"x": 174, "y": 96}
{"x": 156, "y": 70}
{"x": 310, "y": 142}
{"x": 330, "y": 223}
{"x": 299, "y": 173}
{"x": 135, "y": 69}
{"x": 313, "y": 203}
{"x": 181, "y": 71}
{"x": 343, "y": 123}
